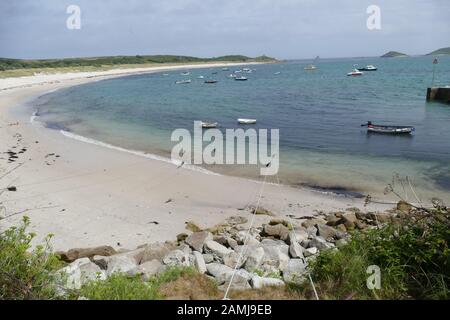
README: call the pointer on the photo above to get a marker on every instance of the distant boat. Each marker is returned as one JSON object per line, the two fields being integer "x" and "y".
{"x": 368, "y": 68}
{"x": 183, "y": 81}
{"x": 312, "y": 67}
{"x": 355, "y": 73}
{"x": 246, "y": 121}
{"x": 201, "y": 77}
{"x": 241, "y": 78}
{"x": 207, "y": 125}
{"x": 211, "y": 81}
{"x": 225, "y": 69}
{"x": 388, "y": 129}
{"x": 232, "y": 75}
{"x": 238, "y": 71}
{"x": 165, "y": 74}
{"x": 277, "y": 73}
{"x": 185, "y": 73}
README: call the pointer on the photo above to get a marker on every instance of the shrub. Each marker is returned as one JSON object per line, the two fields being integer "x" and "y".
{"x": 25, "y": 273}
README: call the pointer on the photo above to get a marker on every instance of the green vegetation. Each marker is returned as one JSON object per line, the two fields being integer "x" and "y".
{"x": 393, "y": 54}
{"x": 442, "y": 51}
{"x": 13, "y": 64}
{"x": 413, "y": 256}
{"x": 124, "y": 287}
{"x": 26, "y": 274}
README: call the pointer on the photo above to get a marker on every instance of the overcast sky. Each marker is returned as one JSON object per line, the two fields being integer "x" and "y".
{"x": 285, "y": 29}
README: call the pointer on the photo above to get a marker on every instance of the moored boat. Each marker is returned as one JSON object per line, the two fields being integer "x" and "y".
{"x": 246, "y": 121}
{"x": 388, "y": 129}
{"x": 185, "y": 73}
{"x": 240, "y": 78}
{"x": 183, "y": 81}
{"x": 368, "y": 68}
{"x": 207, "y": 125}
{"x": 355, "y": 73}
{"x": 211, "y": 81}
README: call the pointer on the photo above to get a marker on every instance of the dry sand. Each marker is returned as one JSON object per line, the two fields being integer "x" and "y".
{"x": 88, "y": 195}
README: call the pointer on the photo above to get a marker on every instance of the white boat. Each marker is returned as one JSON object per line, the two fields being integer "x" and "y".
{"x": 241, "y": 78}
{"x": 312, "y": 67}
{"x": 277, "y": 73}
{"x": 232, "y": 75}
{"x": 246, "y": 121}
{"x": 355, "y": 73}
{"x": 208, "y": 125}
{"x": 225, "y": 69}
{"x": 183, "y": 81}
{"x": 238, "y": 71}
{"x": 368, "y": 68}
{"x": 185, "y": 73}
{"x": 201, "y": 77}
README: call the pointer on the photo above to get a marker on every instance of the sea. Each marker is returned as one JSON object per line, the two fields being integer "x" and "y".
{"x": 322, "y": 145}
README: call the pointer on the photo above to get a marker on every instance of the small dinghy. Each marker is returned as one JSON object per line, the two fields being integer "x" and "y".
{"x": 183, "y": 81}
{"x": 240, "y": 79}
{"x": 246, "y": 121}
{"x": 211, "y": 81}
{"x": 277, "y": 73}
{"x": 355, "y": 73}
{"x": 388, "y": 129}
{"x": 207, "y": 125}
{"x": 185, "y": 73}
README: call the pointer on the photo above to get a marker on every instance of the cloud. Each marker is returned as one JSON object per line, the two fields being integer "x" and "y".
{"x": 282, "y": 28}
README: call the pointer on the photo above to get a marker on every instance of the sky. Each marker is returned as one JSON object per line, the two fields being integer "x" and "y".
{"x": 284, "y": 29}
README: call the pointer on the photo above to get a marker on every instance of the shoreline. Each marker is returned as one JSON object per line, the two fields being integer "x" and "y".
{"x": 88, "y": 195}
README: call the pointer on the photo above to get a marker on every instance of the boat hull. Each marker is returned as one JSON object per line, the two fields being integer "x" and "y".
{"x": 390, "y": 130}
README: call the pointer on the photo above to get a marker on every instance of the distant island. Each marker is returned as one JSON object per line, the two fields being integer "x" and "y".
{"x": 442, "y": 51}
{"x": 394, "y": 54}
{"x": 7, "y": 64}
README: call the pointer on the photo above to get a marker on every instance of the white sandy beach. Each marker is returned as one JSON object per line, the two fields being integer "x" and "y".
{"x": 88, "y": 195}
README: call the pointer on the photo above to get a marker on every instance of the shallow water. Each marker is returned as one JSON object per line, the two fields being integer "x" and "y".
{"x": 318, "y": 113}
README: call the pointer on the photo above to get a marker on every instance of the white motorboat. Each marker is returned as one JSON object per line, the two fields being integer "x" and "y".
{"x": 368, "y": 68}
{"x": 185, "y": 73}
{"x": 246, "y": 121}
{"x": 241, "y": 78}
{"x": 232, "y": 75}
{"x": 201, "y": 77}
{"x": 310, "y": 67}
{"x": 355, "y": 73}
{"x": 277, "y": 73}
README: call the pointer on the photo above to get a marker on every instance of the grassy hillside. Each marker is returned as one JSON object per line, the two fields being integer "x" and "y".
{"x": 393, "y": 54}
{"x": 441, "y": 51}
{"x": 14, "y": 64}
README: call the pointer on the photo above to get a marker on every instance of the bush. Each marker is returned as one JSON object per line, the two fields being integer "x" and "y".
{"x": 413, "y": 256}
{"x": 26, "y": 274}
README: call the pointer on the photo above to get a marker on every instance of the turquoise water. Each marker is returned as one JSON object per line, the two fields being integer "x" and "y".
{"x": 319, "y": 113}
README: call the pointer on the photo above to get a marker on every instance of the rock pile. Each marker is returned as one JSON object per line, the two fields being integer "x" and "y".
{"x": 268, "y": 255}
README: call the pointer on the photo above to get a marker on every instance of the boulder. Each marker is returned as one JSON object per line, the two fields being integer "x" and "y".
{"x": 341, "y": 243}
{"x": 313, "y": 222}
{"x": 261, "y": 282}
{"x": 333, "y": 221}
{"x": 298, "y": 235}
{"x": 197, "y": 240}
{"x": 326, "y": 232}
{"x": 209, "y": 258}
{"x": 80, "y": 272}
{"x": 341, "y": 228}
{"x": 312, "y": 231}
{"x": 148, "y": 269}
{"x": 181, "y": 237}
{"x": 177, "y": 258}
{"x": 156, "y": 251}
{"x": 120, "y": 263}
{"x": 216, "y": 248}
{"x": 220, "y": 272}
{"x": 320, "y": 243}
{"x": 275, "y": 257}
{"x": 254, "y": 259}
{"x": 234, "y": 258}
{"x": 199, "y": 262}
{"x": 278, "y": 231}
{"x": 296, "y": 250}
{"x": 78, "y": 253}
{"x": 311, "y": 251}
{"x": 235, "y": 220}
{"x": 349, "y": 220}
{"x": 294, "y": 271}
